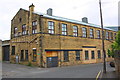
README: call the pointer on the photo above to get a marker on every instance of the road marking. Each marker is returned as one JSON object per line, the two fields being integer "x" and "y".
{"x": 98, "y": 75}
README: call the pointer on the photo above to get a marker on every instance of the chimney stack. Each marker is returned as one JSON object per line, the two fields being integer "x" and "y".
{"x": 85, "y": 19}
{"x": 49, "y": 11}
{"x": 31, "y": 8}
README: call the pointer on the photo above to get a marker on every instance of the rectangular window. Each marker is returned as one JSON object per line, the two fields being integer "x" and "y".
{"x": 75, "y": 31}
{"x": 99, "y": 54}
{"x": 114, "y": 35}
{"x": 77, "y": 55}
{"x": 34, "y": 27}
{"x": 84, "y": 32}
{"x": 64, "y": 29}
{"x": 111, "y": 36}
{"x": 51, "y": 27}
{"x": 34, "y": 55}
{"x": 98, "y": 34}
{"x": 13, "y": 50}
{"x": 92, "y": 55}
{"x": 107, "y": 35}
{"x": 91, "y": 33}
{"x": 86, "y": 55}
{"x": 15, "y": 32}
{"x": 24, "y": 32}
{"x": 66, "y": 56}
{"x": 22, "y": 55}
{"x": 26, "y": 55}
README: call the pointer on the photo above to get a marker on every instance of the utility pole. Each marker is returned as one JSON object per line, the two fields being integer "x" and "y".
{"x": 103, "y": 45}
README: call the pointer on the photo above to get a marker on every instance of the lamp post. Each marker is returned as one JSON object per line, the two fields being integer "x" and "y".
{"x": 103, "y": 46}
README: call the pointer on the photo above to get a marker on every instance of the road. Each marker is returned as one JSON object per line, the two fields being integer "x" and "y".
{"x": 79, "y": 71}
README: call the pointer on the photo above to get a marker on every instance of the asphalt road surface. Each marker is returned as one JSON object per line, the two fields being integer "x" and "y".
{"x": 79, "y": 71}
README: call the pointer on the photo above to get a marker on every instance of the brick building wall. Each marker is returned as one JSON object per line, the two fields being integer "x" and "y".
{"x": 40, "y": 46}
{"x": 0, "y": 50}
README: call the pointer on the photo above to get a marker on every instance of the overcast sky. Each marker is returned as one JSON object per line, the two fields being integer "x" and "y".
{"x": 73, "y": 9}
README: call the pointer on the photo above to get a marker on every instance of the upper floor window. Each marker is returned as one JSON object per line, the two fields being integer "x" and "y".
{"x": 91, "y": 33}
{"x": 75, "y": 31}
{"x": 34, "y": 27}
{"x": 15, "y": 31}
{"x": 107, "y": 35}
{"x": 64, "y": 29}
{"x": 84, "y": 32}
{"x": 34, "y": 23}
{"x": 51, "y": 27}
{"x": 98, "y": 34}
{"x": 24, "y": 32}
{"x": 111, "y": 35}
{"x": 114, "y": 35}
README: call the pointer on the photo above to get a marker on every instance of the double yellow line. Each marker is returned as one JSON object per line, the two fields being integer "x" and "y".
{"x": 98, "y": 75}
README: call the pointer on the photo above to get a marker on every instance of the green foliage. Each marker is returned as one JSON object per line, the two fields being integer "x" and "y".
{"x": 115, "y": 46}
{"x": 29, "y": 64}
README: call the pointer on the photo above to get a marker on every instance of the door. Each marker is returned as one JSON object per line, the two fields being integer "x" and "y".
{"x": 52, "y": 62}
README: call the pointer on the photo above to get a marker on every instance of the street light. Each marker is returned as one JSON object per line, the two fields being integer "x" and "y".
{"x": 103, "y": 46}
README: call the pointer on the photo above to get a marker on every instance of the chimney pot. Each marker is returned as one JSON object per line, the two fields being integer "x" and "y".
{"x": 85, "y": 19}
{"x": 49, "y": 11}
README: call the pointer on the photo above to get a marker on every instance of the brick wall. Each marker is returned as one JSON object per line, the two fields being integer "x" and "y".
{"x": 0, "y": 50}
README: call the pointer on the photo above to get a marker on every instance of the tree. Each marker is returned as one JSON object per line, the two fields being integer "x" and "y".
{"x": 115, "y": 46}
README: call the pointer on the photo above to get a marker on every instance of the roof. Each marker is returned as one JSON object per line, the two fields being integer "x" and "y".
{"x": 70, "y": 20}
{"x": 115, "y": 28}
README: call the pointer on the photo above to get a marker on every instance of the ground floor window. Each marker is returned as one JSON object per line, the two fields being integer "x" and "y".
{"x": 13, "y": 50}
{"x": 34, "y": 54}
{"x": 99, "y": 54}
{"x": 22, "y": 55}
{"x": 92, "y": 55}
{"x": 66, "y": 56}
{"x": 77, "y": 55}
{"x": 86, "y": 55}
{"x": 26, "y": 55}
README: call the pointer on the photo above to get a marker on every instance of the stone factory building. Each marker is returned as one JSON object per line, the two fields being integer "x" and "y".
{"x": 50, "y": 41}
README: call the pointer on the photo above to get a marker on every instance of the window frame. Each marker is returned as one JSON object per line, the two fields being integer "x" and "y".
{"x": 75, "y": 31}
{"x": 26, "y": 55}
{"x": 13, "y": 50}
{"x": 51, "y": 27}
{"x": 34, "y": 27}
{"x": 86, "y": 55}
{"x": 66, "y": 56}
{"x": 98, "y": 34}
{"x": 77, "y": 55}
{"x": 64, "y": 29}
{"x": 34, "y": 55}
{"x": 92, "y": 54}
{"x": 99, "y": 54}
{"x": 91, "y": 33}
{"x": 24, "y": 32}
{"x": 84, "y": 32}
{"x": 22, "y": 55}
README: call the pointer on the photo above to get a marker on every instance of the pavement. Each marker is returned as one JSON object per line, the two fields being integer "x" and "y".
{"x": 111, "y": 74}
